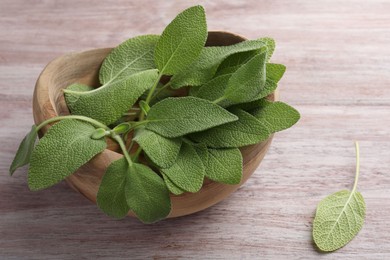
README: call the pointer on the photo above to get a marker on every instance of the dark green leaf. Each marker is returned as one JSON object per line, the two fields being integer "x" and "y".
{"x": 25, "y": 149}
{"x": 62, "y": 150}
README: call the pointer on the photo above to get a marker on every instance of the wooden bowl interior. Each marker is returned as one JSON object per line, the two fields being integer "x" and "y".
{"x": 83, "y": 68}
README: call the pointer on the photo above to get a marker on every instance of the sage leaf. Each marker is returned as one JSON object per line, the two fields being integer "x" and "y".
{"x": 65, "y": 147}
{"x": 339, "y": 217}
{"x": 161, "y": 150}
{"x": 182, "y": 41}
{"x": 174, "y": 117}
{"x": 171, "y": 186}
{"x": 188, "y": 171}
{"x": 245, "y": 131}
{"x": 132, "y": 56}
{"x": 214, "y": 90}
{"x": 275, "y": 71}
{"x": 253, "y": 105}
{"x": 146, "y": 194}
{"x": 224, "y": 165}
{"x": 204, "y": 68}
{"x": 277, "y": 116}
{"x": 247, "y": 81}
{"x": 144, "y": 106}
{"x": 23, "y": 155}
{"x": 111, "y": 197}
{"x": 99, "y": 133}
{"x": 108, "y": 103}
{"x": 270, "y": 43}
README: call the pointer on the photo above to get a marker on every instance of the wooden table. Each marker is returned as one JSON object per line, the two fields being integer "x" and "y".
{"x": 338, "y": 59}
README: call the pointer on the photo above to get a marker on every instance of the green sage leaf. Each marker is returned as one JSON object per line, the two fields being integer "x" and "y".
{"x": 23, "y": 155}
{"x": 204, "y": 68}
{"x": 161, "y": 150}
{"x": 146, "y": 194}
{"x": 188, "y": 171}
{"x": 277, "y": 116}
{"x": 174, "y": 117}
{"x": 108, "y": 103}
{"x": 132, "y": 56}
{"x": 339, "y": 217}
{"x": 99, "y": 133}
{"x": 111, "y": 197}
{"x": 173, "y": 188}
{"x": 65, "y": 147}
{"x": 224, "y": 165}
{"x": 246, "y": 130}
{"x": 182, "y": 41}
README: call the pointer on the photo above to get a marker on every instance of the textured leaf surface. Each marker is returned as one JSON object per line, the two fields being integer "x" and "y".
{"x": 111, "y": 197}
{"x": 270, "y": 43}
{"x": 173, "y": 188}
{"x": 173, "y": 117}
{"x": 182, "y": 41}
{"x": 188, "y": 171}
{"x": 161, "y": 150}
{"x": 204, "y": 68}
{"x": 247, "y": 81}
{"x": 275, "y": 71}
{"x": 61, "y": 151}
{"x": 214, "y": 89}
{"x": 25, "y": 149}
{"x": 132, "y": 56}
{"x": 277, "y": 116}
{"x": 108, "y": 103}
{"x": 224, "y": 165}
{"x": 339, "y": 217}
{"x": 147, "y": 194}
{"x": 246, "y": 130}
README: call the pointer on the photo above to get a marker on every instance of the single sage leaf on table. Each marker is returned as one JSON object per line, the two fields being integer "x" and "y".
{"x": 65, "y": 147}
{"x": 188, "y": 171}
{"x": 108, "y": 103}
{"x": 111, "y": 197}
{"x": 132, "y": 56}
{"x": 339, "y": 217}
{"x": 246, "y": 130}
{"x": 25, "y": 149}
{"x": 182, "y": 41}
{"x": 147, "y": 194}
{"x": 161, "y": 150}
{"x": 174, "y": 117}
{"x": 205, "y": 67}
{"x": 277, "y": 116}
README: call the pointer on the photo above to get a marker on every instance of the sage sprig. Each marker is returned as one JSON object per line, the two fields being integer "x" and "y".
{"x": 182, "y": 138}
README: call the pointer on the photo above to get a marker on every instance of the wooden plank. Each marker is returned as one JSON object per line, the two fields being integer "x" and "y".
{"x": 337, "y": 58}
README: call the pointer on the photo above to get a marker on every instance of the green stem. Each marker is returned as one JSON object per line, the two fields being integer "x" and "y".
{"x": 137, "y": 153}
{"x": 149, "y": 97}
{"x": 161, "y": 89}
{"x": 218, "y": 100}
{"x": 357, "y": 166}
{"x": 82, "y": 118}
{"x": 123, "y": 147}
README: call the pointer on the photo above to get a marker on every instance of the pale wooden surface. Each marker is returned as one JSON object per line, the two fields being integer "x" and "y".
{"x": 338, "y": 59}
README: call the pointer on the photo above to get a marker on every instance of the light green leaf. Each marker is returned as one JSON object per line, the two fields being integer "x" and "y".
{"x": 99, "y": 133}
{"x": 339, "y": 217}
{"x": 224, "y": 165}
{"x": 171, "y": 186}
{"x": 247, "y": 81}
{"x": 246, "y": 130}
{"x": 277, "y": 116}
{"x": 270, "y": 43}
{"x": 214, "y": 89}
{"x": 182, "y": 41}
{"x": 161, "y": 150}
{"x": 146, "y": 194}
{"x": 61, "y": 151}
{"x": 111, "y": 197}
{"x": 132, "y": 56}
{"x": 25, "y": 149}
{"x": 234, "y": 61}
{"x": 108, "y": 103}
{"x": 275, "y": 71}
{"x": 174, "y": 117}
{"x": 253, "y": 105}
{"x": 188, "y": 171}
{"x": 204, "y": 68}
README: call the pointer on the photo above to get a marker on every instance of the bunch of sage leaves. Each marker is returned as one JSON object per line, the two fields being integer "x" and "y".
{"x": 184, "y": 139}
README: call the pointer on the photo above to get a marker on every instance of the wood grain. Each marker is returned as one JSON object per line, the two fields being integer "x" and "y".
{"x": 337, "y": 57}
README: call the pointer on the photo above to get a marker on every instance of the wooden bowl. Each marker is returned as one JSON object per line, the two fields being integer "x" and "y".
{"x": 83, "y": 68}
